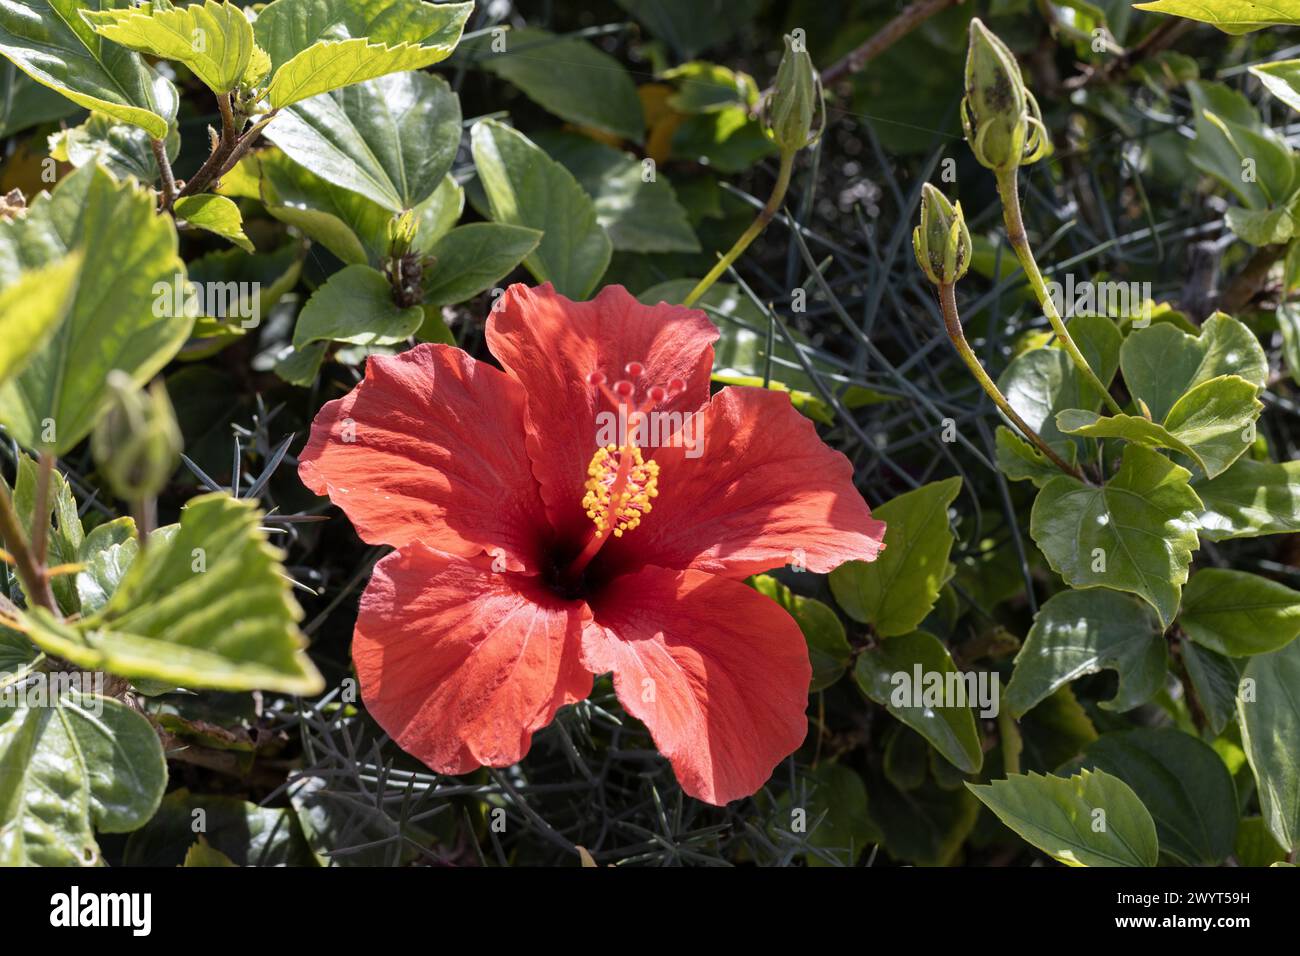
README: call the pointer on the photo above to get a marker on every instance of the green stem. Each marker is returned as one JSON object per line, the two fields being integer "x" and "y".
{"x": 1010, "y": 195}
{"x": 952, "y": 322}
{"x": 750, "y": 234}
{"x": 30, "y": 573}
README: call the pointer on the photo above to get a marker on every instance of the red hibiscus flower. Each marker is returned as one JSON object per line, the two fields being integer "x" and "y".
{"x": 532, "y": 553}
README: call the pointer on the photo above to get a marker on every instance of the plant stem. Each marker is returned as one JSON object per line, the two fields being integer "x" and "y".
{"x": 30, "y": 574}
{"x": 41, "y": 510}
{"x": 952, "y": 322}
{"x": 749, "y": 235}
{"x": 908, "y": 19}
{"x": 1010, "y": 195}
{"x": 165, "y": 172}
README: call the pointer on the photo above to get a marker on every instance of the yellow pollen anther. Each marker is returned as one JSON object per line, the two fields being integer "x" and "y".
{"x": 620, "y": 484}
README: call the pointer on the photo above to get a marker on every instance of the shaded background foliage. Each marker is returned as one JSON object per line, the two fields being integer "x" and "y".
{"x": 306, "y": 782}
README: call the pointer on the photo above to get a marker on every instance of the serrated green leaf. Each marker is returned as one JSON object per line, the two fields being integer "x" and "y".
{"x": 1181, "y": 781}
{"x": 1090, "y": 819}
{"x": 215, "y": 214}
{"x": 333, "y": 64}
{"x": 525, "y": 187}
{"x": 950, "y": 727}
{"x": 65, "y": 532}
{"x": 112, "y": 321}
{"x": 1238, "y": 614}
{"x": 391, "y": 139}
{"x": 286, "y": 28}
{"x": 1230, "y": 16}
{"x": 124, "y": 149}
{"x": 473, "y": 258}
{"x": 31, "y": 309}
{"x": 206, "y": 605}
{"x": 640, "y": 214}
{"x": 1212, "y": 423}
{"x": 571, "y": 78}
{"x": 50, "y": 42}
{"x": 828, "y": 647}
{"x": 895, "y": 592}
{"x": 355, "y": 305}
{"x": 1135, "y": 533}
{"x": 78, "y": 764}
{"x": 1021, "y": 461}
{"x": 1084, "y": 632}
{"x": 1161, "y": 364}
{"x": 1269, "y": 711}
{"x": 215, "y": 40}
{"x": 106, "y": 553}
{"x": 1250, "y": 499}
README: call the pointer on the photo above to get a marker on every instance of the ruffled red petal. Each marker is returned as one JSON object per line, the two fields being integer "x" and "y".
{"x": 430, "y": 447}
{"x": 716, "y": 671}
{"x": 764, "y": 492}
{"x": 461, "y": 664}
{"x": 551, "y": 344}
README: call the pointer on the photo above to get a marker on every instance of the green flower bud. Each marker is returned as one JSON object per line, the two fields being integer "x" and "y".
{"x": 1000, "y": 116}
{"x": 136, "y": 442}
{"x": 795, "y": 101}
{"x": 942, "y": 241}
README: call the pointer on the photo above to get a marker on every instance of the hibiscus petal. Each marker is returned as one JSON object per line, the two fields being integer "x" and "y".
{"x": 761, "y": 491}
{"x": 550, "y": 344}
{"x": 460, "y": 664}
{"x": 716, "y": 671}
{"x": 436, "y": 455}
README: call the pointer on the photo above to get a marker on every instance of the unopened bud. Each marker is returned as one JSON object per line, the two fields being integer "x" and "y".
{"x": 795, "y": 103}
{"x": 942, "y": 241}
{"x": 137, "y": 441}
{"x": 999, "y": 115}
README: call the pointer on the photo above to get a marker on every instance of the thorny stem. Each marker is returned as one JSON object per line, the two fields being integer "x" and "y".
{"x": 1009, "y": 193}
{"x": 749, "y": 235}
{"x": 952, "y": 322}
{"x": 165, "y": 171}
{"x": 30, "y": 574}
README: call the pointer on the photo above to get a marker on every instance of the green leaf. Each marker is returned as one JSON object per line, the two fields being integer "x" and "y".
{"x": 245, "y": 833}
{"x": 833, "y": 803}
{"x": 391, "y": 139}
{"x": 1214, "y": 679}
{"x": 286, "y": 28}
{"x": 1090, "y": 819}
{"x": 50, "y": 42}
{"x": 124, "y": 149}
{"x": 1161, "y": 364}
{"x": 65, "y": 538}
{"x": 828, "y": 647}
{"x": 1021, "y": 461}
{"x": 639, "y": 215}
{"x": 206, "y": 605}
{"x": 572, "y": 79}
{"x": 1213, "y": 423}
{"x": 471, "y": 259}
{"x": 888, "y": 674}
{"x": 1250, "y": 499}
{"x": 24, "y": 103}
{"x": 1264, "y": 227}
{"x": 1255, "y": 846}
{"x": 1230, "y": 16}
{"x": 332, "y": 64}
{"x": 1136, "y": 533}
{"x": 31, "y": 308}
{"x": 895, "y": 592}
{"x": 525, "y": 187}
{"x": 1231, "y": 139}
{"x": 355, "y": 305}
{"x": 106, "y": 553}
{"x": 1181, "y": 781}
{"x": 1269, "y": 711}
{"x": 68, "y": 768}
{"x": 689, "y": 26}
{"x": 1085, "y": 632}
{"x": 706, "y": 87}
{"x": 1281, "y": 78}
{"x": 1044, "y": 381}
{"x": 729, "y": 140}
{"x": 215, "y": 40}
{"x": 111, "y": 323}
{"x": 1239, "y": 614}
{"x": 216, "y": 214}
